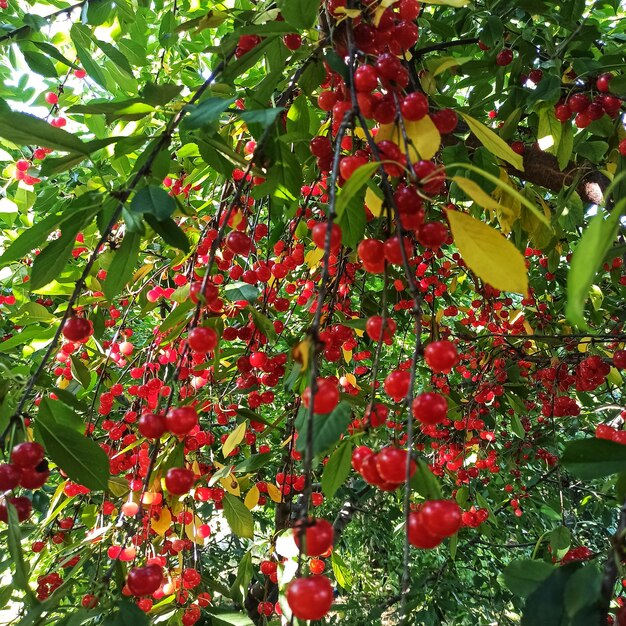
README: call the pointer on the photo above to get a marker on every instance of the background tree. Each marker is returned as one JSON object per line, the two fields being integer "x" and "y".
{"x": 312, "y": 312}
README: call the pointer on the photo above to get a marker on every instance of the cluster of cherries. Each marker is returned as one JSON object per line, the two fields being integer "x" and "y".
{"x": 28, "y": 469}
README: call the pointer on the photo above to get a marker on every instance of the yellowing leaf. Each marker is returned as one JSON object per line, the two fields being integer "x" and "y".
{"x": 351, "y": 378}
{"x": 380, "y": 9}
{"x": 509, "y": 206}
{"x": 313, "y": 257}
{"x": 424, "y": 136}
{"x": 353, "y": 13}
{"x": 163, "y": 523}
{"x": 301, "y": 352}
{"x": 474, "y": 191}
{"x": 373, "y": 202}
{"x": 231, "y": 484}
{"x": 252, "y": 498}
{"x": 347, "y": 355}
{"x": 191, "y": 530}
{"x": 274, "y": 492}
{"x": 449, "y": 3}
{"x": 234, "y": 439}
{"x": 491, "y": 256}
{"x": 445, "y": 63}
{"x": 494, "y": 143}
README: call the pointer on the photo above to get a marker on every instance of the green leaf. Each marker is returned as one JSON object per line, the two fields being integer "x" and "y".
{"x": 545, "y": 605}
{"x": 253, "y": 463}
{"x": 587, "y": 259}
{"x": 126, "y": 614}
{"x": 583, "y": 589}
{"x": 548, "y": 90}
{"x": 239, "y": 518}
{"x": 425, "y": 482}
{"x": 14, "y": 541}
{"x": 122, "y": 266}
{"x": 550, "y": 130}
{"x": 301, "y": 14}
{"x": 24, "y": 129}
{"x": 40, "y": 64}
{"x": 245, "y": 572}
{"x": 159, "y": 95}
{"x": 53, "y": 52}
{"x": 263, "y": 117}
{"x": 154, "y": 201}
{"x": 355, "y": 183}
{"x": 229, "y": 619}
{"x": 560, "y": 541}
{"x": 494, "y": 143}
{"x": 352, "y": 224}
{"x": 52, "y": 259}
{"x": 594, "y": 458}
{"x": 170, "y": 232}
{"x": 80, "y": 371}
{"x": 262, "y": 323}
{"x": 337, "y": 469}
{"x": 566, "y": 146}
{"x": 207, "y": 112}
{"x": 326, "y": 428}
{"x": 523, "y": 576}
{"x": 342, "y": 572}
{"x": 517, "y": 427}
{"x": 241, "y": 291}
{"x": 81, "y": 458}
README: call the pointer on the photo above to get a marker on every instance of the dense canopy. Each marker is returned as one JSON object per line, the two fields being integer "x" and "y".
{"x": 312, "y": 312}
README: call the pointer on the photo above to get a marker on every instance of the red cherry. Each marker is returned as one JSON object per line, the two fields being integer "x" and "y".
{"x": 441, "y": 518}
{"x": 603, "y": 82}
{"x": 536, "y": 76}
{"x": 562, "y": 112}
{"x": 292, "y": 42}
{"x": 179, "y": 480}
{"x": 418, "y": 535}
{"x": 430, "y": 408}
{"x": 77, "y": 329}
{"x": 27, "y": 454}
{"x": 321, "y": 147}
{"x": 377, "y": 416}
{"x": 211, "y": 292}
{"x": 396, "y": 384}
{"x": 143, "y": 581}
{"x": 414, "y": 106}
{"x": 445, "y": 120}
{"x": 441, "y": 356}
{"x": 22, "y": 165}
{"x": 578, "y": 102}
{"x": 51, "y": 98}
{"x": 408, "y": 9}
{"x": 369, "y": 470}
{"x": 318, "y": 536}
{"x": 359, "y": 454}
{"x": 504, "y": 57}
{"x": 318, "y": 235}
{"x": 202, "y": 339}
{"x": 152, "y": 425}
{"x": 365, "y": 79}
{"x": 9, "y": 476}
{"x": 391, "y": 464}
{"x": 431, "y": 176}
{"x": 374, "y": 329}
{"x": 432, "y": 234}
{"x": 348, "y": 165}
{"x": 326, "y": 396}
{"x": 181, "y": 420}
{"x": 406, "y": 34}
{"x": 239, "y": 243}
{"x": 372, "y": 254}
{"x": 23, "y": 507}
{"x": 582, "y": 120}
{"x": 310, "y": 598}
{"x": 327, "y": 100}
{"x": 32, "y": 479}
{"x": 619, "y": 356}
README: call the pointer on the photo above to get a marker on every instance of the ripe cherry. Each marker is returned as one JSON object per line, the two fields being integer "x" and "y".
{"x": 9, "y": 476}
{"x": 179, "y": 480}
{"x": 23, "y": 508}
{"x": 359, "y": 454}
{"x": 445, "y": 120}
{"x": 562, "y": 112}
{"x": 603, "y": 82}
{"x": 310, "y": 598}
{"x": 619, "y": 356}
{"x": 143, "y": 581}
{"x": 77, "y": 329}
{"x": 239, "y": 243}
{"x": 430, "y": 408}
{"x": 441, "y": 356}
{"x": 348, "y": 165}
{"x": 202, "y": 339}
{"x": 181, "y": 420}
{"x": 432, "y": 234}
{"x": 374, "y": 329}
{"x": 441, "y": 518}
{"x": 372, "y": 254}
{"x": 418, "y": 534}
{"x": 504, "y": 57}
{"x": 318, "y": 536}
{"x": 210, "y": 295}
{"x": 391, "y": 464}
{"x": 396, "y": 384}
{"x": 365, "y": 79}
{"x": 393, "y": 251}
{"x": 318, "y": 234}
{"x": 321, "y": 147}
{"x": 27, "y": 454}
{"x": 152, "y": 425}
{"x": 292, "y": 41}
{"x": 414, "y": 106}
{"x": 33, "y": 479}
{"x": 326, "y": 396}
{"x": 578, "y": 102}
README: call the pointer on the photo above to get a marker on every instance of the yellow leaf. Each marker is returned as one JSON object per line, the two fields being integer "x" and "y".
{"x": 347, "y": 355}
{"x": 494, "y": 143}
{"x": 353, "y": 13}
{"x": 373, "y": 202}
{"x": 491, "y": 256}
{"x": 424, "y": 136}
{"x": 161, "y": 525}
{"x": 274, "y": 492}
{"x": 252, "y": 498}
{"x": 300, "y": 353}
{"x": 428, "y": 83}
{"x": 234, "y": 439}
{"x": 313, "y": 257}
{"x": 583, "y": 344}
{"x": 445, "y": 63}
{"x": 510, "y": 207}
{"x": 231, "y": 484}
{"x": 195, "y": 468}
{"x": 191, "y": 530}
{"x": 380, "y": 9}
{"x": 474, "y": 191}
{"x": 351, "y": 378}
